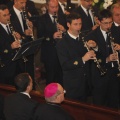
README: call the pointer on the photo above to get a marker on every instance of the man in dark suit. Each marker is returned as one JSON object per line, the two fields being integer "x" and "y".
{"x": 20, "y": 106}
{"x": 115, "y": 9}
{"x": 54, "y": 95}
{"x": 51, "y": 26}
{"x": 24, "y": 26}
{"x": 74, "y": 59}
{"x": 30, "y": 6}
{"x": 65, "y": 7}
{"x": 8, "y": 46}
{"x": 105, "y": 88}
{"x": 88, "y": 15}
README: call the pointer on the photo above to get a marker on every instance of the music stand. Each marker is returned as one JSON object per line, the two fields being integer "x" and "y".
{"x": 28, "y": 49}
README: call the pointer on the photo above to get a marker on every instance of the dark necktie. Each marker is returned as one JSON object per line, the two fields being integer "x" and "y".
{"x": 55, "y": 22}
{"x": 89, "y": 19}
{"x": 23, "y": 20}
{"x": 8, "y": 30}
{"x": 107, "y": 45}
{"x": 77, "y": 39}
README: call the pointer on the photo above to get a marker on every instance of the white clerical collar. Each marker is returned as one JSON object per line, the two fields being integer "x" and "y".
{"x": 26, "y": 94}
{"x": 72, "y": 36}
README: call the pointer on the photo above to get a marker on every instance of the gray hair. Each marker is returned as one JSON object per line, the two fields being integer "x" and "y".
{"x": 115, "y": 6}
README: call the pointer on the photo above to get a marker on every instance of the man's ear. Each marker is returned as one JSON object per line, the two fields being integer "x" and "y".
{"x": 68, "y": 24}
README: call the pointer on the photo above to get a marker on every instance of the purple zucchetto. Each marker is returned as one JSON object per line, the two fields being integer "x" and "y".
{"x": 50, "y": 90}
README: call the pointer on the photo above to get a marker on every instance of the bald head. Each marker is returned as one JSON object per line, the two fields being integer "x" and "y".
{"x": 20, "y": 4}
{"x": 52, "y": 6}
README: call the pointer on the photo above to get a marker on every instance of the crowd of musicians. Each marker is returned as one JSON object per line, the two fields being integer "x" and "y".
{"x": 80, "y": 49}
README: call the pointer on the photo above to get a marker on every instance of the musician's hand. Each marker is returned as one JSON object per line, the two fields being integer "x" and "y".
{"x": 60, "y": 27}
{"x": 17, "y": 35}
{"x": 116, "y": 46}
{"x": 30, "y": 24}
{"x": 95, "y": 26}
{"x": 57, "y": 35}
{"x": 28, "y": 32}
{"x": 91, "y": 44}
{"x": 66, "y": 12}
{"x": 15, "y": 44}
{"x": 112, "y": 57}
{"x": 89, "y": 55}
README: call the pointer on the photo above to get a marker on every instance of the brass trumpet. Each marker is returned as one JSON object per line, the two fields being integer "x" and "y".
{"x": 101, "y": 70}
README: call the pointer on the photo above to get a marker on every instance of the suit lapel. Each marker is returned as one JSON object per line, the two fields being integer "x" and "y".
{"x": 4, "y": 33}
{"x": 15, "y": 19}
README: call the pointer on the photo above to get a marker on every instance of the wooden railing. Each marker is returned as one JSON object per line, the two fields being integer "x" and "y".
{"x": 80, "y": 111}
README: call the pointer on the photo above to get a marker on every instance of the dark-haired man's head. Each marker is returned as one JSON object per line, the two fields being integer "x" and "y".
{"x": 4, "y": 14}
{"x": 74, "y": 23}
{"x": 23, "y": 82}
{"x": 105, "y": 20}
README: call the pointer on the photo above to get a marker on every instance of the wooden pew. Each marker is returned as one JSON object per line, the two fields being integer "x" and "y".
{"x": 80, "y": 111}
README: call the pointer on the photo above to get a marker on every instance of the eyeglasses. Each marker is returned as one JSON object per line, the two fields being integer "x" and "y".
{"x": 107, "y": 23}
{"x": 63, "y": 92}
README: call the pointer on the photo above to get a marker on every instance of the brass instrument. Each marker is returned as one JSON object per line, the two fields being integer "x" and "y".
{"x": 25, "y": 16}
{"x": 101, "y": 70}
{"x": 114, "y": 51}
